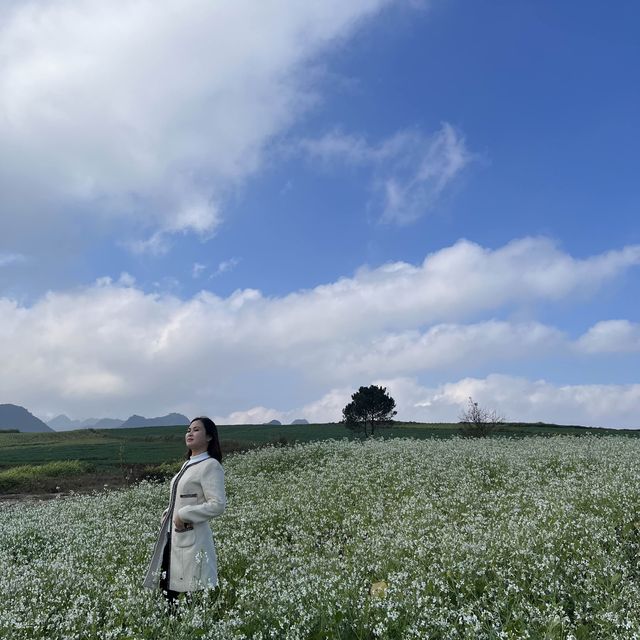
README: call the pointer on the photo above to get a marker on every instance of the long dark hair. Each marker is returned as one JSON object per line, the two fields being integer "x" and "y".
{"x": 213, "y": 448}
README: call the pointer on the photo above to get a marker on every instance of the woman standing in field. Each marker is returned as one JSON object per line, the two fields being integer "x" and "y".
{"x": 184, "y": 558}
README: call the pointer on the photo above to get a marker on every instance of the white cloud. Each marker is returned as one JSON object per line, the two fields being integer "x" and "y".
{"x": 126, "y": 279}
{"x": 339, "y": 146}
{"x": 328, "y": 408}
{"x": 450, "y": 285}
{"x": 225, "y": 266}
{"x": 520, "y": 399}
{"x": 10, "y": 258}
{"x": 515, "y": 398}
{"x": 152, "y": 110}
{"x": 442, "y": 347}
{"x": 410, "y": 194}
{"x": 255, "y": 415}
{"x": 156, "y": 244}
{"x": 113, "y": 349}
{"x": 611, "y": 336}
{"x": 410, "y": 170}
{"x": 197, "y": 269}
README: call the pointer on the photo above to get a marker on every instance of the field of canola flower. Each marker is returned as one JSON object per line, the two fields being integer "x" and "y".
{"x": 528, "y": 538}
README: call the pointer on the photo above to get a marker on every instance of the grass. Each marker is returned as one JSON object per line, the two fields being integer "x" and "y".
{"x": 26, "y": 477}
{"x": 496, "y": 539}
{"x": 109, "y": 448}
{"x": 123, "y": 455}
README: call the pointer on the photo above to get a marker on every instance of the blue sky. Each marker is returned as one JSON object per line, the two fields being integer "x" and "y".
{"x": 249, "y": 212}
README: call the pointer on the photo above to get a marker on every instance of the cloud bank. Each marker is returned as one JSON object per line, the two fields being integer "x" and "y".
{"x": 112, "y": 348}
{"x": 611, "y": 336}
{"x": 517, "y": 398}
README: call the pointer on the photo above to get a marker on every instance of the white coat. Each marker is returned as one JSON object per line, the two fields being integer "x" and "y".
{"x": 197, "y": 495}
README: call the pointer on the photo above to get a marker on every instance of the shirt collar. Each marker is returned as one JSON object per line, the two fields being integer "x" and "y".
{"x": 201, "y": 456}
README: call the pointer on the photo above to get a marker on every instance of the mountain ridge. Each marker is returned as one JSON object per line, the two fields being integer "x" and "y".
{"x": 13, "y": 416}
{"x": 64, "y": 423}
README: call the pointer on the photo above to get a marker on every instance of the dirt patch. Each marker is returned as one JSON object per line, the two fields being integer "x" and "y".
{"x": 51, "y": 488}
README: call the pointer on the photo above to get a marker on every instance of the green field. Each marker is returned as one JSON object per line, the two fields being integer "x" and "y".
{"x": 108, "y": 448}
{"x": 439, "y": 539}
{"x": 113, "y": 453}
{"x": 144, "y": 445}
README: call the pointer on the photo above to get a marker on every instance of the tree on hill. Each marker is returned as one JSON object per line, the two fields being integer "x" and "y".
{"x": 369, "y": 407}
{"x": 478, "y": 422}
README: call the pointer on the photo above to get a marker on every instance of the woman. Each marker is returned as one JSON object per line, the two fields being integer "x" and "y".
{"x": 184, "y": 558}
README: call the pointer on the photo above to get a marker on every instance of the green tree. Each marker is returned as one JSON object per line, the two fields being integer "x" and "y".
{"x": 369, "y": 407}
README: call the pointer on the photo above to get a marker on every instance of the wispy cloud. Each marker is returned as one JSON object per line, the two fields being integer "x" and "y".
{"x": 198, "y": 269}
{"x": 413, "y": 191}
{"x": 157, "y": 244}
{"x": 225, "y": 266}
{"x": 337, "y": 146}
{"x": 11, "y": 258}
{"x": 410, "y": 170}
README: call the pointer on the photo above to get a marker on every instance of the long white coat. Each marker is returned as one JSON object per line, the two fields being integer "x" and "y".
{"x": 197, "y": 497}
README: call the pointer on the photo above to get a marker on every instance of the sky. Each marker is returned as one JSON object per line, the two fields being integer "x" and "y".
{"x": 249, "y": 210}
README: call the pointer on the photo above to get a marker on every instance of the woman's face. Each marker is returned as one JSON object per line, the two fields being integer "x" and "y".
{"x": 196, "y": 437}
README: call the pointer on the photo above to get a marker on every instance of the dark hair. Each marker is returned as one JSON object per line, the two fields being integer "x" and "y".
{"x": 213, "y": 448}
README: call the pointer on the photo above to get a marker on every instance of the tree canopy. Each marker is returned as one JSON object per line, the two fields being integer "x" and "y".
{"x": 369, "y": 407}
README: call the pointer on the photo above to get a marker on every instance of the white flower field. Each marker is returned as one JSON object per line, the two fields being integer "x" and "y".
{"x": 501, "y": 538}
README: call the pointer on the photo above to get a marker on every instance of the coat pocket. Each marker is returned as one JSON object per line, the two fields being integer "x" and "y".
{"x": 184, "y": 538}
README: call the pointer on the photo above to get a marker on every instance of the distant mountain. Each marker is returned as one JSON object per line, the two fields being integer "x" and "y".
{"x": 274, "y": 422}
{"x": 108, "y": 423}
{"x": 13, "y": 416}
{"x": 170, "y": 420}
{"x": 300, "y": 421}
{"x": 64, "y": 423}
{"x": 87, "y": 423}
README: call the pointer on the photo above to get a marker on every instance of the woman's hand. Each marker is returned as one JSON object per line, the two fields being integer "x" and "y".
{"x": 178, "y": 523}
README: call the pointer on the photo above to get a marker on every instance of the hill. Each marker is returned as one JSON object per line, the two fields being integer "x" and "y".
{"x": 170, "y": 420}
{"x": 108, "y": 423}
{"x": 13, "y": 416}
{"x": 64, "y": 423}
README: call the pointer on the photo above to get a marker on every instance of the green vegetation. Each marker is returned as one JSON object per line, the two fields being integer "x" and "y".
{"x": 484, "y": 539}
{"x": 136, "y": 453}
{"x": 369, "y": 407}
{"x": 30, "y": 476}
